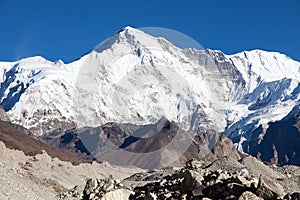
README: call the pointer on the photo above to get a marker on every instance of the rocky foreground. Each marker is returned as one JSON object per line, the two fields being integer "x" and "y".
{"x": 42, "y": 177}
{"x": 224, "y": 178}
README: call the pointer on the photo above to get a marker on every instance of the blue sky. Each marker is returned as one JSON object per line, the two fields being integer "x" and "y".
{"x": 67, "y": 29}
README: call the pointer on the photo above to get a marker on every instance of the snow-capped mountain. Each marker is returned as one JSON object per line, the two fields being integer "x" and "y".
{"x": 137, "y": 78}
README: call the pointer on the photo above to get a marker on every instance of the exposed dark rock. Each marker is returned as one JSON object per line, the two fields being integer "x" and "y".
{"x": 200, "y": 180}
{"x": 277, "y": 143}
{"x": 149, "y": 146}
{"x": 294, "y": 196}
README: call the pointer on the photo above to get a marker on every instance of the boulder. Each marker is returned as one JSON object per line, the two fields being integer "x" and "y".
{"x": 249, "y": 196}
{"x": 194, "y": 164}
{"x": 192, "y": 182}
{"x": 105, "y": 189}
{"x": 90, "y": 186}
{"x": 269, "y": 189}
{"x": 119, "y": 194}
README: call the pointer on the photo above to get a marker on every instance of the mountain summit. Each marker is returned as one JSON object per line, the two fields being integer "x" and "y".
{"x": 136, "y": 78}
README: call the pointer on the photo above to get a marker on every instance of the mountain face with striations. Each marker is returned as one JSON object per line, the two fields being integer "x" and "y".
{"x": 252, "y": 96}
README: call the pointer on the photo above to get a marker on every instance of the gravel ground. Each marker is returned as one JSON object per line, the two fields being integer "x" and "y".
{"x": 43, "y": 177}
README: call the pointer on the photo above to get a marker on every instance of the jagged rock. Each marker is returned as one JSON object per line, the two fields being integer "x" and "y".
{"x": 70, "y": 194}
{"x": 245, "y": 179}
{"x": 249, "y": 195}
{"x": 150, "y": 196}
{"x": 90, "y": 186}
{"x": 197, "y": 186}
{"x": 269, "y": 189}
{"x": 192, "y": 181}
{"x": 223, "y": 175}
{"x": 225, "y": 147}
{"x": 105, "y": 189}
{"x": 217, "y": 184}
{"x": 211, "y": 184}
{"x": 194, "y": 164}
{"x": 74, "y": 192}
{"x": 197, "y": 181}
{"x": 294, "y": 196}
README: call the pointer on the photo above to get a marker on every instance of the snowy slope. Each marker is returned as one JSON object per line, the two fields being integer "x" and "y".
{"x": 136, "y": 78}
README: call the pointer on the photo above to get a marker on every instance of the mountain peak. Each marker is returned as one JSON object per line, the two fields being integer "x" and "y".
{"x": 129, "y": 36}
{"x": 128, "y": 28}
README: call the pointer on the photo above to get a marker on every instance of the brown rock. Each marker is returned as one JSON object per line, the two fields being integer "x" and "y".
{"x": 225, "y": 147}
{"x": 269, "y": 189}
{"x": 192, "y": 181}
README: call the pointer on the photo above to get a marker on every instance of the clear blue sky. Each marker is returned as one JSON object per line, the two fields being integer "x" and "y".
{"x": 67, "y": 29}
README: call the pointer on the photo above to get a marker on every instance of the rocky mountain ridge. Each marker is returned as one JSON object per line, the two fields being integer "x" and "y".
{"x": 150, "y": 147}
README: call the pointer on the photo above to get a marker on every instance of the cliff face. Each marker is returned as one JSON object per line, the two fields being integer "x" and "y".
{"x": 280, "y": 139}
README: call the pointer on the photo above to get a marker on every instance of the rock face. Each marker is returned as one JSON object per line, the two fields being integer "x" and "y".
{"x": 280, "y": 139}
{"x": 201, "y": 180}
